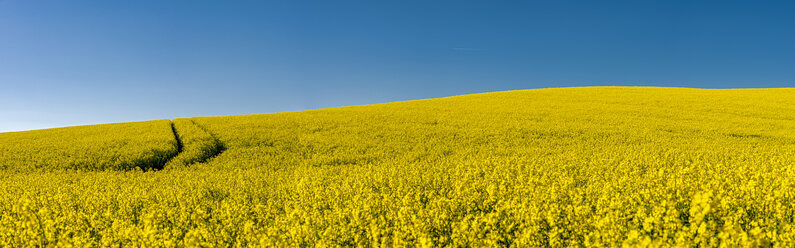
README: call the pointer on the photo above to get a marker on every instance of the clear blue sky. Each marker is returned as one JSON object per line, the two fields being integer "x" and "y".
{"x": 83, "y": 62}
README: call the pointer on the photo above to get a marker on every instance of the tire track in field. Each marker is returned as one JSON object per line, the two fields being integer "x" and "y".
{"x": 221, "y": 147}
{"x": 160, "y": 166}
{"x": 176, "y": 137}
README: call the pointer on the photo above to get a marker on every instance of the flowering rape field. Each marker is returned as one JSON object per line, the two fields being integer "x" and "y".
{"x": 118, "y": 146}
{"x": 587, "y": 167}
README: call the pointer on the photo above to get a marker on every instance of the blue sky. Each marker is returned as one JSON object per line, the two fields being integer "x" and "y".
{"x": 84, "y": 62}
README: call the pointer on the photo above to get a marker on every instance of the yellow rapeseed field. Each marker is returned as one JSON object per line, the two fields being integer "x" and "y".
{"x": 583, "y": 167}
{"x": 109, "y": 146}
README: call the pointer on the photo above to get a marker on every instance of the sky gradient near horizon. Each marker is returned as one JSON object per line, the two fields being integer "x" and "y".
{"x": 66, "y": 63}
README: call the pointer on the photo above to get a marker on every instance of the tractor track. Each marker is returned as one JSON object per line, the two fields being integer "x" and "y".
{"x": 220, "y": 147}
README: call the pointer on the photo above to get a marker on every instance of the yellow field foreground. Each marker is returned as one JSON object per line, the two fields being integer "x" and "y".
{"x": 592, "y": 166}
